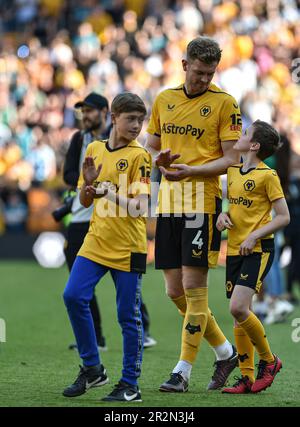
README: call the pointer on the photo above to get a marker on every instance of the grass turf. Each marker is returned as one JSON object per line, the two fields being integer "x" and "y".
{"x": 36, "y": 365}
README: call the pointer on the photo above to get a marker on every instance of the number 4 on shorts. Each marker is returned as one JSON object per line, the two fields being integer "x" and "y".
{"x": 198, "y": 240}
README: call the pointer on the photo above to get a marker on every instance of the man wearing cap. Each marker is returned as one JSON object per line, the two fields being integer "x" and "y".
{"x": 94, "y": 109}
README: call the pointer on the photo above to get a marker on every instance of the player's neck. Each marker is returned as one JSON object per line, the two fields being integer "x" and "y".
{"x": 250, "y": 160}
{"x": 115, "y": 141}
{"x": 97, "y": 132}
{"x": 189, "y": 92}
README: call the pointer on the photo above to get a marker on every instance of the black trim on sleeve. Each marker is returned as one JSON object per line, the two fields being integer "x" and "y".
{"x": 138, "y": 262}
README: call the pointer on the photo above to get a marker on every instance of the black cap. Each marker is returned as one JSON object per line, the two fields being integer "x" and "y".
{"x": 93, "y": 100}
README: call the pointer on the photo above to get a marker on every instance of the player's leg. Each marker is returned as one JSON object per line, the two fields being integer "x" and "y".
{"x": 79, "y": 290}
{"x": 240, "y": 303}
{"x": 200, "y": 248}
{"x": 244, "y": 346}
{"x": 222, "y": 348}
{"x": 253, "y": 271}
{"x": 128, "y": 298}
{"x": 76, "y": 233}
{"x": 194, "y": 324}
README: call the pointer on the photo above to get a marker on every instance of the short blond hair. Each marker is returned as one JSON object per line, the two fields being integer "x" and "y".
{"x": 205, "y": 49}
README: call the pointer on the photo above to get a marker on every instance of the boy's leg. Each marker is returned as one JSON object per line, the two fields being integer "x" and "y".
{"x": 245, "y": 350}
{"x": 78, "y": 293}
{"x": 269, "y": 364}
{"x": 240, "y": 309}
{"x": 128, "y": 298}
{"x": 76, "y": 233}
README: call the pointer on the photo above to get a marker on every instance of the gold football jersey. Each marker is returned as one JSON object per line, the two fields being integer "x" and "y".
{"x": 250, "y": 196}
{"x": 115, "y": 238}
{"x": 194, "y": 127}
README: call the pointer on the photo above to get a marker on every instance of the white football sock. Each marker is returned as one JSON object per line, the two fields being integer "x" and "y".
{"x": 185, "y": 368}
{"x": 223, "y": 351}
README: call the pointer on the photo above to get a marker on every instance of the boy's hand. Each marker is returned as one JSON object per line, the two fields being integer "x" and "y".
{"x": 223, "y": 222}
{"x": 247, "y": 246}
{"x": 181, "y": 171}
{"x": 165, "y": 158}
{"x": 90, "y": 191}
{"x": 89, "y": 171}
{"x": 105, "y": 187}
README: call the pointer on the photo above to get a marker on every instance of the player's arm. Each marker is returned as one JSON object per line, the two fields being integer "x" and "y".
{"x": 213, "y": 168}
{"x": 89, "y": 174}
{"x": 281, "y": 219}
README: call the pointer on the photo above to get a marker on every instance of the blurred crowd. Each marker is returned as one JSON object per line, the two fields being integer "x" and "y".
{"x": 54, "y": 52}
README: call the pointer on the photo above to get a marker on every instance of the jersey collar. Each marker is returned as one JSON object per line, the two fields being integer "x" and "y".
{"x": 196, "y": 94}
{"x": 249, "y": 170}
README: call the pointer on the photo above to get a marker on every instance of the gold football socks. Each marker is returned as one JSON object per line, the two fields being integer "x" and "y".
{"x": 245, "y": 350}
{"x": 194, "y": 323}
{"x": 255, "y": 331}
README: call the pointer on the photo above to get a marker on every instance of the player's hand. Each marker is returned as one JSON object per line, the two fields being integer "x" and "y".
{"x": 90, "y": 191}
{"x": 178, "y": 173}
{"x": 89, "y": 171}
{"x": 224, "y": 222}
{"x": 165, "y": 158}
{"x": 248, "y": 245}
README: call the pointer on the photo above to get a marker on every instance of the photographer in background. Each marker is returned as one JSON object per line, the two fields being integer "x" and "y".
{"x": 94, "y": 109}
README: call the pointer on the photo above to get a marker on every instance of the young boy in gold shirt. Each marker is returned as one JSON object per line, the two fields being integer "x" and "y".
{"x": 253, "y": 190}
{"x": 116, "y": 178}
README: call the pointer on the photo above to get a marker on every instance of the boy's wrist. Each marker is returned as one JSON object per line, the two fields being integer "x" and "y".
{"x": 254, "y": 235}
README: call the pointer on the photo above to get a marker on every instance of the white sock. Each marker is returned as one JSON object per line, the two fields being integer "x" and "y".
{"x": 223, "y": 351}
{"x": 185, "y": 368}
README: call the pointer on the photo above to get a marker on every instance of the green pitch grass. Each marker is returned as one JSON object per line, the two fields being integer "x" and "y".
{"x": 36, "y": 365}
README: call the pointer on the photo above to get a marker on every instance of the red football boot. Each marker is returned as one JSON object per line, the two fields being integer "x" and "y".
{"x": 242, "y": 386}
{"x": 266, "y": 374}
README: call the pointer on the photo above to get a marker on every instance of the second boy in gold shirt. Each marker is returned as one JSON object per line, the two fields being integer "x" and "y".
{"x": 253, "y": 189}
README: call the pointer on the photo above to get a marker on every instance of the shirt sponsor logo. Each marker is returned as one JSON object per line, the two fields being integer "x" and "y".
{"x": 182, "y": 130}
{"x": 240, "y": 201}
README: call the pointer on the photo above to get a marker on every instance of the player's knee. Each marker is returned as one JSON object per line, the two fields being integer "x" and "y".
{"x": 173, "y": 293}
{"x": 237, "y": 310}
{"x": 70, "y": 297}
